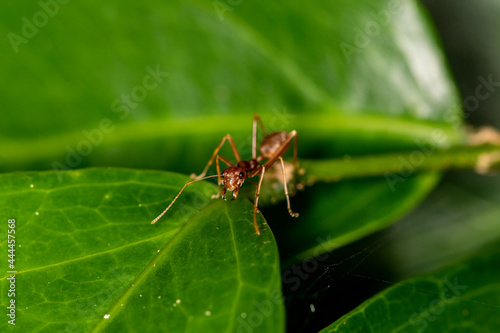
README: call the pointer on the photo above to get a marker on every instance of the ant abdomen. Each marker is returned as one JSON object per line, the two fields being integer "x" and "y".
{"x": 273, "y": 142}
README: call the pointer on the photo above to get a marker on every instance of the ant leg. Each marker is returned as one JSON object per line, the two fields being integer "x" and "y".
{"x": 255, "y": 209}
{"x": 256, "y": 119}
{"x": 295, "y": 165}
{"x": 286, "y": 189}
{"x": 190, "y": 182}
{"x": 219, "y": 180}
{"x": 295, "y": 153}
{"x": 214, "y": 155}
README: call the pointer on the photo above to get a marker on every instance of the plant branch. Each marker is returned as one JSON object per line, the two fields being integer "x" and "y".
{"x": 482, "y": 158}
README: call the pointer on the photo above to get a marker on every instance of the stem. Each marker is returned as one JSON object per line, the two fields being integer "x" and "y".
{"x": 481, "y": 158}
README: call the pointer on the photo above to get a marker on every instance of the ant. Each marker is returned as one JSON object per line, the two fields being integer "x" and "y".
{"x": 272, "y": 148}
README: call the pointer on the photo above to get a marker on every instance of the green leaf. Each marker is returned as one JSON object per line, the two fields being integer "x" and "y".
{"x": 88, "y": 258}
{"x": 460, "y": 298}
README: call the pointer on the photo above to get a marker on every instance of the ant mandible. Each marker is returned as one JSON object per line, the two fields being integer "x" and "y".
{"x": 272, "y": 148}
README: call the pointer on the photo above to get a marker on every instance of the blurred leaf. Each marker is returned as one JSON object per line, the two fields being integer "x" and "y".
{"x": 457, "y": 219}
{"x": 85, "y": 248}
{"x": 460, "y": 298}
{"x": 247, "y": 60}
{"x": 337, "y": 214}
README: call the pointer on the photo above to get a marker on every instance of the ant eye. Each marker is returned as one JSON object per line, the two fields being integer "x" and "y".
{"x": 242, "y": 175}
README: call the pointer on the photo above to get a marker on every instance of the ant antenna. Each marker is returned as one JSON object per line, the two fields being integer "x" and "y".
{"x": 193, "y": 181}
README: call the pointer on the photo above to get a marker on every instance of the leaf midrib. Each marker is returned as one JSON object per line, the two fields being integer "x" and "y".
{"x": 115, "y": 308}
{"x": 240, "y": 281}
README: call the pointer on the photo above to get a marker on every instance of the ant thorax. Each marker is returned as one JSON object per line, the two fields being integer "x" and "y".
{"x": 249, "y": 166}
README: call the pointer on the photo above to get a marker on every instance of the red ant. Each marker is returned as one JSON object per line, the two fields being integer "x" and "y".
{"x": 272, "y": 148}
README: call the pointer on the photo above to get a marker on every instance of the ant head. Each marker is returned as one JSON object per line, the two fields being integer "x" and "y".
{"x": 232, "y": 179}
